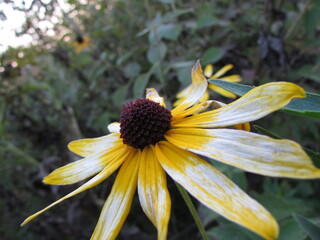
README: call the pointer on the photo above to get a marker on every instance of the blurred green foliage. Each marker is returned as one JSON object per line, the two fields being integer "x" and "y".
{"x": 50, "y": 95}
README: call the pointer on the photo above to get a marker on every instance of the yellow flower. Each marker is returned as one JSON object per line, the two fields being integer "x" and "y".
{"x": 208, "y": 72}
{"x": 151, "y": 141}
{"x": 81, "y": 42}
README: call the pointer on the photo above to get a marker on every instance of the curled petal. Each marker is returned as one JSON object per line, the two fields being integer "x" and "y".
{"x": 153, "y": 193}
{"x": 88, "y": 146}
{"x": 153, "y": 95}
{"x": 199, "y": 86}
{"x": 215, "y": 190}
{"x": 256, "y": 104}
{"x": 248, "y": 151}
{"x": 107, "y": 171}
{"x": 118, "y": 204}
{"x": 114, "y": 127}
{"x": 84, "y": 168}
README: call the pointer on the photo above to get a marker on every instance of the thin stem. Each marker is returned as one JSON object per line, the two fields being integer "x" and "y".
{"x": 193, "y": 211}
{"x": 298, "y": 19}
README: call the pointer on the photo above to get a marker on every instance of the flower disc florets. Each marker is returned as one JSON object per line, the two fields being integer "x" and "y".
{"x": 143, "y": 122}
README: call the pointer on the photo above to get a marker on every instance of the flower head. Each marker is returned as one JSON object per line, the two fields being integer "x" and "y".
{"x": 208, "y": 72}
{"x": 151, "y": 141}
{"x": 81, "y": 42}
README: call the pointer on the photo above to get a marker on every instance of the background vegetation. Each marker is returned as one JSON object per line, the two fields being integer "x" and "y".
{"x": 52, "y": 94}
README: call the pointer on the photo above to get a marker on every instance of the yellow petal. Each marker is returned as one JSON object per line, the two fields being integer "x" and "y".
{"x": 153, "y": 193}
{"x": 199, "y": 86}
{"x": 182, "y": 95}
{"x": 114, "y": 127}
{"x": 84, "y": 168}
{"x": 194, "y": 109}
{"x": 107, "y": 171}
{"x": 215, "y": 190}
{"x": 257, "y": 103}
{"x": 249, "y": 151}
{"x": 153, "y": 95}
{"x": 231, "y": 78}
{"x": 87, "y": 146}
{"x": 118, "y": 204}
{"x": 205, "y": 97}
{"x": 242, "y": 126}
{"x": 222, "y": 91}
{"x": 222, "y": 71}
{"x": 208, "y": 70}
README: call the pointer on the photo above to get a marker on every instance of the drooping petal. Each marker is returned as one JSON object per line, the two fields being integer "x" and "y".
{"x": 199, "y": 86}
{"x": 257, "y": 103}
{"x": 114, "y": 127}
{"x": 118, "y": 204}
{"x": 107, "y": 171}
{"x": 215, "y": 190}
{"x": 222, "y": 71}
{"x": 153, "y": 95}
{"x": 222, "y": 91}
{"x": 249, "y": 151}
{"x": 88, "y": 146}
{"x": 153, "y": 193}
{"x": 84, "y": 168}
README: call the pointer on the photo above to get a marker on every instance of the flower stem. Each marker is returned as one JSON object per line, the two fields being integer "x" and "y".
{"x": 193, "y": 211}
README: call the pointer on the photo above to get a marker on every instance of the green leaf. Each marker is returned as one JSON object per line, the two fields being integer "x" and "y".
{"x": 169, "y": 31}
{"x": 306, "y": 71}
{"x": 140, "y": 84}
{"x": 289, "y": 230}
{"x": 119, "y": 95}
{"x": 231, "y": 231}
{"x": 213, "y": 55}
{"x": 132, "y": 70}
{"x": 278, "y": 206}
{"x": 171, "y": 15}
{"x": 309, "y": 106}
{"x": 157, "y": 52}
{"x": 312, "y": 230}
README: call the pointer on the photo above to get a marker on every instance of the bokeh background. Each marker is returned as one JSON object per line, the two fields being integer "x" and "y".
{"x": 81, "y": 60}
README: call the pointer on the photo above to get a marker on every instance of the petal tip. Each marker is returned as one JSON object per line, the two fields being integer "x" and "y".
{"x": 197, "y": 66}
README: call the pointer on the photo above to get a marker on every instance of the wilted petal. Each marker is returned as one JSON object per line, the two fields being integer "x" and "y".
{"x": 153, "y": 193}
{"x": 249, "y": 151}
{"x": 257, "y": 103}
{"x": 107, "y": 171}
{"x": 215, "y": 190}
{"x": 88, "y": 146}
{"x": 118, "y": 204}
{"x": 199, "y": 86}
{"x": 153, "y": 95}
{"x": 84, "y": 168}
{"x": 114, "y": 127}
